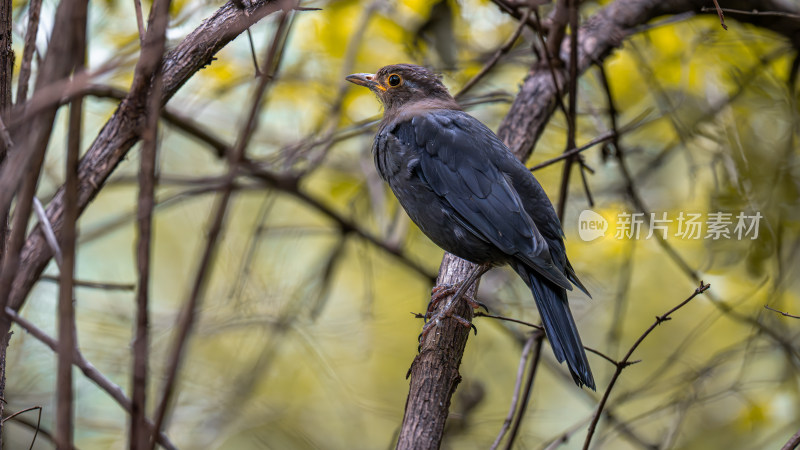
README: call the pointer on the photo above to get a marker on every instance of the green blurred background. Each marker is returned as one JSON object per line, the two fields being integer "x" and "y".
{"x": 305, "y": 337}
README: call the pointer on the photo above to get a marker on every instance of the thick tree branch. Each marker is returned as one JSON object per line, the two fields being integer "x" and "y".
{"x": 434, "y": 372}
{"x": 6, "y": 69}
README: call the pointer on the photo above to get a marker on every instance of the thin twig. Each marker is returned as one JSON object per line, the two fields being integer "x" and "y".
{"x": 245, "y": 266}
{"x": 188, "y": 314}
{"x": 34, "y": 8}
{"x": 137, "y": 6}
{"x": 526, "y": 393}
{"x": 583, "y": 169}
{"x": 721, "y": 15}
{"x": 47, "y": 228}
{"x": 153, "y": 44}
{"x": 781, "y": 312}
{"x": 94, "y": 284}
{"x": 750, "y": 13}
{"x": 253, "y": 52}
{"x": 624, "y": 362}
{"x": 526, "y": 350}
{"x": 505, "y": 48}
{"x": 573, "y": 108}
{"x": 792, "y": 443}
{"x": 605, "y": 137}
{"x": 539, "y": 327}
{"x": 514, "y": 12}
{"x": 507, "y": 319}
{"x": 89, "y": 370}
{"x": 564, "y": 437}
{"x": 36, "y": 429}
{"x": 67, "y": 332}
{"x": 38, "y": 421}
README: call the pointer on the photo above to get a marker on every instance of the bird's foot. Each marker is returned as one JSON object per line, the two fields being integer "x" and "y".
{"x": 442, "y": 291}
{"x": 459, "y": 293}
{"x": 436, "y": 319}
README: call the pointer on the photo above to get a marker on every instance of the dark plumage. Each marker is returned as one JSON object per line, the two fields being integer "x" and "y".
{"x": 468, "y": 193}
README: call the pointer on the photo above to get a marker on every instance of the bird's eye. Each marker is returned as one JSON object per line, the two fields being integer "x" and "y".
{"x": 394, "y": 80}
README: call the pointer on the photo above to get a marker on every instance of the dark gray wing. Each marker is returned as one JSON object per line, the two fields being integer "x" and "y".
{"x": 460, "y": 159}
{"x": 539, "y": 208}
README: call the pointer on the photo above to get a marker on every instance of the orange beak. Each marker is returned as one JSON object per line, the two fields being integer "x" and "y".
{"x": 366, "y": 80}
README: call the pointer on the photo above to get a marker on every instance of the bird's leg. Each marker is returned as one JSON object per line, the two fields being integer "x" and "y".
{"x": 441, "y": 292}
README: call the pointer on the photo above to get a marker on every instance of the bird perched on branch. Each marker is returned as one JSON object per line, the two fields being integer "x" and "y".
{"x": 468, "y": 193}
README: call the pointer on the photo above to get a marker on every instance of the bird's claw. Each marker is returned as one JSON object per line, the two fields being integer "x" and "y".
{"x": 442, "y": 291}
{"x": 458, "y": 291}
{"x": 436, "y": 320}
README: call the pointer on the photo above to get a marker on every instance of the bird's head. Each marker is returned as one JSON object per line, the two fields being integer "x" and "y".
{"x": 401, "y": 85}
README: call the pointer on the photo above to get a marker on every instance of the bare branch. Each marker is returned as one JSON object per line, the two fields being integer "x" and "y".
{"x": 6, "y": 59}
{"x": 720, "y": 14}
{"x": 67, "y": 333}
{"x": 526, "y": 392}
{"x": 752, "y": 12}
{"x": 36, "y": 428}
{"x": 781, "y": 312}
{"x": 505, "y": 48}
{"x": 6, "y": 76}
{"x": 573, "y": 104}
{"x": 149, "y": 67}
{"x": 94, "y": 284}
{"x": 137, "y": 7}
{"x": 235, "y": 157}
{"x": 526, "y": 350}
{"x": 89, "y": 370}
{"x": 34, "y": 8}
{"x": 792, "y": 443}
{"x": 47, "y": 228}
{"x": 624, "y": 362}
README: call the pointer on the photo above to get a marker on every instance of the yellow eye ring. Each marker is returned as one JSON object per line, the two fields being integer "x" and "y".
{"x": 394, "y": 80}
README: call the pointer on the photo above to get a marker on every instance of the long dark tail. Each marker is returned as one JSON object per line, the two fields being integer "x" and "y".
{"x": 559, "y": 325}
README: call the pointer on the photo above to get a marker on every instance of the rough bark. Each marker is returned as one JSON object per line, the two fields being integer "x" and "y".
{"x": 434, "y": 377}
{"x": 6, "y": 73}
{"x": 6, "y": 57}
{"x": 434, "y": 373}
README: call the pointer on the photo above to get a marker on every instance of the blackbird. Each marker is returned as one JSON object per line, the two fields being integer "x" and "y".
{"x": 468, "y": 193}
